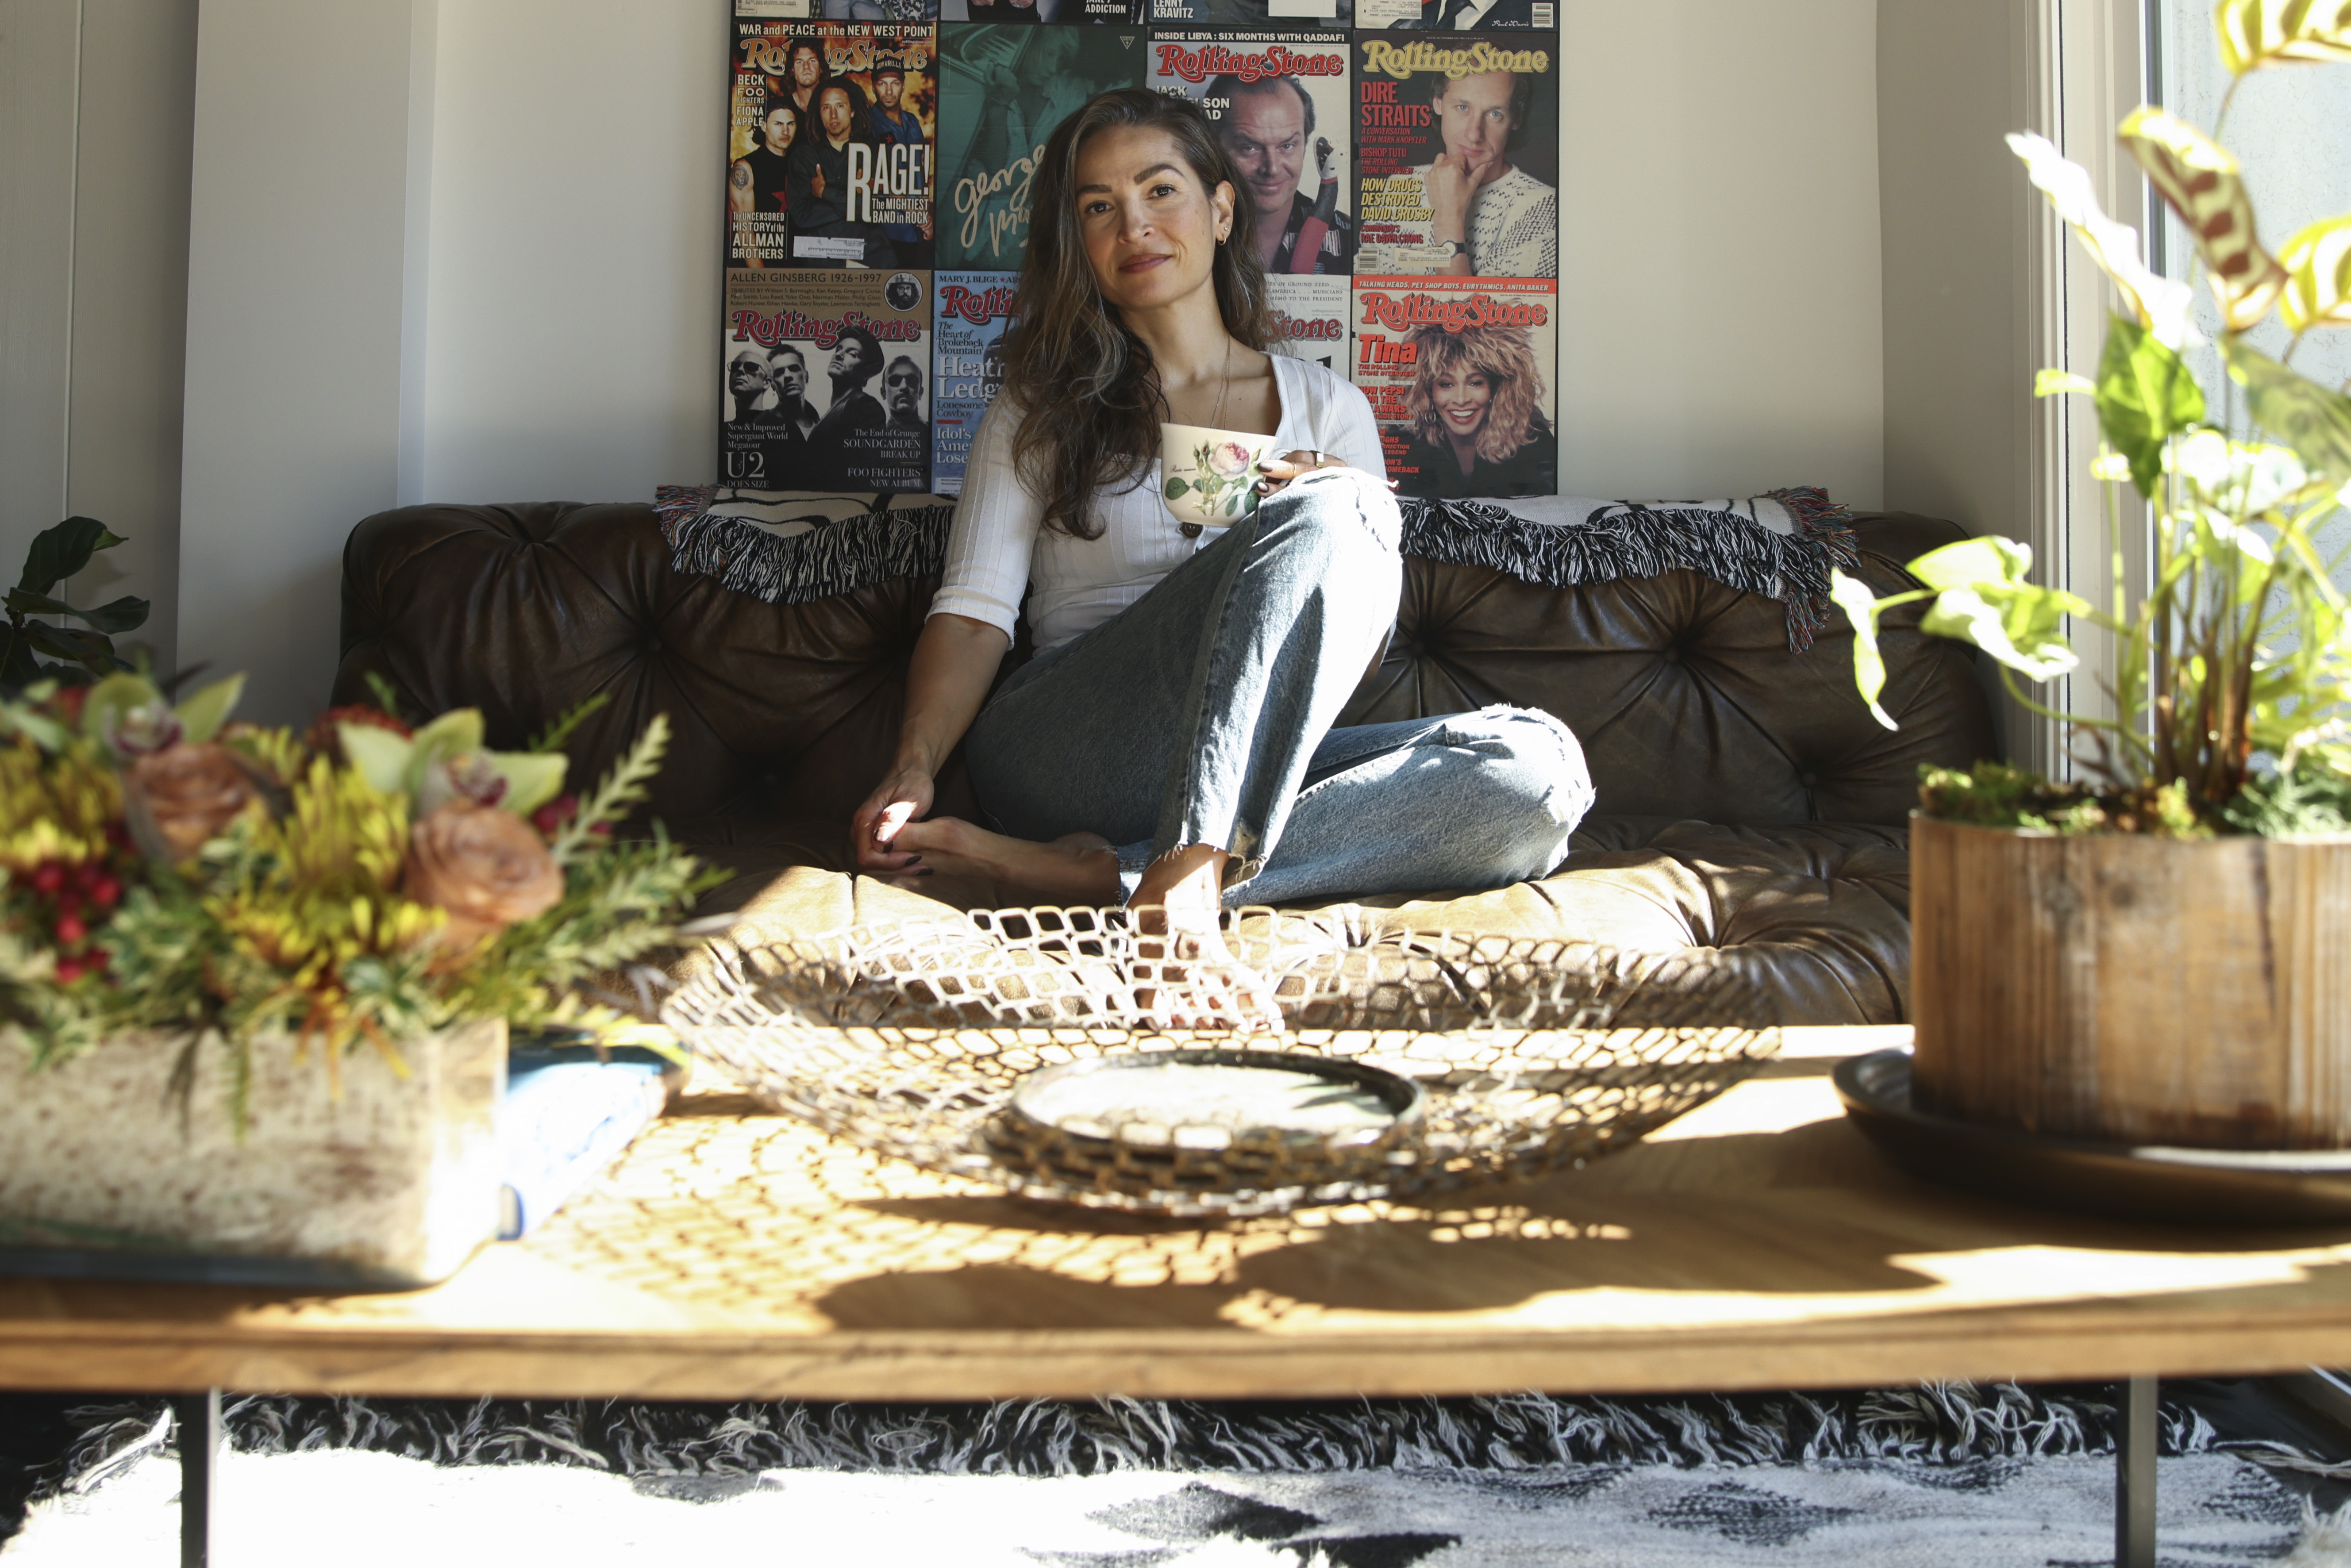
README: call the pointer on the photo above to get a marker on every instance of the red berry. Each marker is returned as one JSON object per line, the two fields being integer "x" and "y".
{"x": 48, "y": 878}
{"x": 85, "y": 874}
{"x": 97, "y": 958}
{"x": 106, "y": 892}
{"x": 68, "y": 971}
{"x": 69, "y": 904}
{"x": 549, "y": 819}
{"x": 71, "y": 931}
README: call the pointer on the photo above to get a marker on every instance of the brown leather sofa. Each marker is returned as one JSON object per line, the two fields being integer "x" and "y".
{"x": 1747, "y": 802}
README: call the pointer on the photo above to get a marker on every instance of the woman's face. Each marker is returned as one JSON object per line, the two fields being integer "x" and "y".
{"x": 1149, "y": 223}
{"x": 1462, "y": 398}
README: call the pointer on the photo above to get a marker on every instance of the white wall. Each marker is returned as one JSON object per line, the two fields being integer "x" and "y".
{"x": 298, "y": 230}
{"x": 1954, "y": 205}
{"x": 1718, "y": 275}
{"x": 573, "y": 335}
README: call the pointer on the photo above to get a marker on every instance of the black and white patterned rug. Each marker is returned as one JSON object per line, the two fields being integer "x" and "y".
{"x": 1952, "y": 1476}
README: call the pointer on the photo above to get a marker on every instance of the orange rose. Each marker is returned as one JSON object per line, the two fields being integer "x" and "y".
{"x": 484, "y": 865}
{"x": 190, "y": 792}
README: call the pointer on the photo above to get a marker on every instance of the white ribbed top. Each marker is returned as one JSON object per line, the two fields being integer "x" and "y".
{"x": 996, "y": 546}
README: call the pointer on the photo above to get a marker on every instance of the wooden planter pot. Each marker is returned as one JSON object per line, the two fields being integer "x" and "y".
{"x": 2133, "y": 989}
{"x": 393, "y": 1182}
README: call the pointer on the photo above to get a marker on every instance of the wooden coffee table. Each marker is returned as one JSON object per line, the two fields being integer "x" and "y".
{"x": 1756, "y": 1243}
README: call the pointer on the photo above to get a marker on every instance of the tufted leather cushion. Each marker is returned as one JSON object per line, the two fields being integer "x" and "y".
{"x": 1690, "y": 706}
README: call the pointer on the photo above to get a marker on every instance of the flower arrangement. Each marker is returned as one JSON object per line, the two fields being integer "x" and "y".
{"x": 1224, "y": 478}
{"x": 164, "y": 869}
{"x": 2233, "y": 669}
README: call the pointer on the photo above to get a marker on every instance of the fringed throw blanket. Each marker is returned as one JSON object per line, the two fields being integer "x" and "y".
{"x": 790, "y": 549}
{"x": 1782, "y": 544}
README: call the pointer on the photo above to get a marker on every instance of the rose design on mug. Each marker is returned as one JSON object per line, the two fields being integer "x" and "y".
{"x": 1228, "y": 459}
{"x": 1224, "y": 478}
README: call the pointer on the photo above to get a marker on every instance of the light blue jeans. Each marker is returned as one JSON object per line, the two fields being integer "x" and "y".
{"x": 1202, "y": 715}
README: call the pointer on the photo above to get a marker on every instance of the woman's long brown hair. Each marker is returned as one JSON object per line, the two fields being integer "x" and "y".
{"x": 1087, "y": 390}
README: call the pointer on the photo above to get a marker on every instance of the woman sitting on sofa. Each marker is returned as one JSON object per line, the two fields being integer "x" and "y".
{"x": 1171, "y": 743}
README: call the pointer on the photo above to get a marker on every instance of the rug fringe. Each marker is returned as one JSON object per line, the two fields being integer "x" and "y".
{"x": 1943, "y": 1424}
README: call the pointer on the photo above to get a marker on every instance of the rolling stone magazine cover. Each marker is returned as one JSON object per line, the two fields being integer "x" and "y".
{"x": 1402, "y": 169}
{"x": 828, "y": 381}
{"x": 1460, "y": 375}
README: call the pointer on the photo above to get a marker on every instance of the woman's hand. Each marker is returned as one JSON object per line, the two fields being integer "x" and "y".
{"x": 1279, "y": 471}
{"x": 902, "y": 797}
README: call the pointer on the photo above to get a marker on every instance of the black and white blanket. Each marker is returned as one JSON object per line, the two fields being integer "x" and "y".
{"x": 790, "y": 548}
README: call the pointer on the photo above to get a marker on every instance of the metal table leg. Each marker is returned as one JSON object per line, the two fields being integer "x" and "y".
{"x": 2135, "y": 1445}
{"x": 196, "y": 1419}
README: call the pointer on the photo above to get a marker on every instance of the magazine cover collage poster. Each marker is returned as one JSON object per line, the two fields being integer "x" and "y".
{"x": 1402, "y": 160}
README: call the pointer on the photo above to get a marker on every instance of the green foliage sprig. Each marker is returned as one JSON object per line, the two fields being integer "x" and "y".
{"x": 2232, "y": 673}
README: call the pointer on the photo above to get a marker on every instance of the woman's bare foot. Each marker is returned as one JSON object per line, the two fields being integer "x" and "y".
{"x": 1178, "y": 904}
{"x": 1076, "y": 868}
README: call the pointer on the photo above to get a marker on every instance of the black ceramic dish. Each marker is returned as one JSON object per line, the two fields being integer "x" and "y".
{"x": 2168, "y": 1185}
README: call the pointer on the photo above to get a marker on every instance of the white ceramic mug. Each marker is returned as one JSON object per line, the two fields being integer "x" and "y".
{"x": 1209, "y": 476}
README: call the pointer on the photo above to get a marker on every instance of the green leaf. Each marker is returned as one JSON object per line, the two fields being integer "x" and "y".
{"x": 2020, "y": 625}
{"x": 202, "y": 715}
{"x": 387, "y": 700}
{"x": 2317, "y": 262}
{"x": 552, "y": 738}
{"x": 379, "y": 756}
{"x": 1851, "y": 595}
{"x": 2257, "y": 33}
{"x": 63, "y": 642}
{"x": 2312, "y": 421}
{"x": 623, "y": 786}
{"x": 2204, "y": 185}
{"x": 127, "y": 613}
{"x": 2145, "y": 394}
{"x": 46, "y": 733}
{"x": 453, "y": 734}
{"x": 1176, "y": 486}
{"x": 2056, "y": 383}
{"x": 103, "y": 709}
{"x": 59, "y": 552}
{"x": 1986, "y": 558}
{"x": 122, "y": 615}
{"x": 533, "y": 778}
{"x": 25, "y": 601}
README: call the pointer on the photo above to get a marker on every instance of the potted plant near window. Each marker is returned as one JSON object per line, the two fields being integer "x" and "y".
{"x": 2161, "y": 952}
{"x": 255, "y": 985}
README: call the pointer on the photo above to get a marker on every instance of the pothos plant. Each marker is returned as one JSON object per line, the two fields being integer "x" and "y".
{"x": 2231, "y": 672}
{"x": 166, "y": 871}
